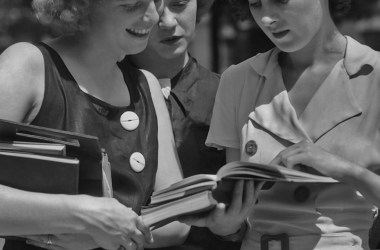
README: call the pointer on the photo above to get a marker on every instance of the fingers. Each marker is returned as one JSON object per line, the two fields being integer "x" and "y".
{"x": 43, "y": 241}
{"x": 147, "y": 234}
{"x": 237, "y": 197}
{"x": 292, "y": 155}
{"x": 250, "y": 195}
{"x": 131, "y": 245}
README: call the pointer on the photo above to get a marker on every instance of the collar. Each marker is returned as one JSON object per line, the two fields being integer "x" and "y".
{"x": 333, "y": 103}
{"x": 356, "y": 56}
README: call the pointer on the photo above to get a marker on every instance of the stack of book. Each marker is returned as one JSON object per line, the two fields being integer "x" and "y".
{"x": 200, "y": 193}
{"x": 40, "y": 159}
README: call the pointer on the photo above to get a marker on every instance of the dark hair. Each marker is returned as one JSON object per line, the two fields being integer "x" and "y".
{"x": 66, "y": 15}
{"x": 338, "y": 8}
{"x": 203, "y": 6}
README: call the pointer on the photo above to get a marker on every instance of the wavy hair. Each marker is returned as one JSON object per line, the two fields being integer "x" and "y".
{"x": 338, "y": 8}
{"x": 66, "y": 15}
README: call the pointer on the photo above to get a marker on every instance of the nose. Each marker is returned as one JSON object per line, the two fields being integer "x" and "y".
{"x": 268, "y": 21}
{"x": 167, "y": 19}
{"x": 269, "y": 15}
{"x": 151, "y": 13}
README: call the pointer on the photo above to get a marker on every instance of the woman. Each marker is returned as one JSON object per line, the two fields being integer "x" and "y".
{"x": 75, "y": 83}
{"x": 189, "y": 90}
{"x": 312, "y": 101}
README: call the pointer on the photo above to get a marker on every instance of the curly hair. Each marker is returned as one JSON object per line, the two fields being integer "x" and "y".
{"x": 338, "y": 8}
{"x": 72, "y": 15}
{"x": 203, "y": 6}
{"x": 66, "y": 15}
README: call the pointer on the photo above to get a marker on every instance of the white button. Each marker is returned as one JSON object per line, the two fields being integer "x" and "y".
{"x": 129, "y": 120}
{"x": 137, "y": 162}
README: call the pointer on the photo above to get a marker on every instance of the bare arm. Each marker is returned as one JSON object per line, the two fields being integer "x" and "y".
{"x": 309, "y": 154}
{"x": 21, "y": 82}
{"x": 169, "y": 170}
{"x": 108, "y": 222}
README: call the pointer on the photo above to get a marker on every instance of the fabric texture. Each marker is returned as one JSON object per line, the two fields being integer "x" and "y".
{"x": 342, "y": 117}
{"x": 67, "y": 107}
{"x": 190, "y": 105}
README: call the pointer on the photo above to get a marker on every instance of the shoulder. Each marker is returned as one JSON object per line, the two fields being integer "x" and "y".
{"x": 22, "y": 59}
{"x": 22, "y": 78}
{"x": 23, "y": 54}
{"x": 253, "y": 66}
{"x": 206, "y": 74}
{"x": 207, "y": 81}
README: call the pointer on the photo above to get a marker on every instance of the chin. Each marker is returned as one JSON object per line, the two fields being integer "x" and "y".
{"x": 290, "y": 47}
{"x": 171, "y": 53}
{"x": 135, "y": 49}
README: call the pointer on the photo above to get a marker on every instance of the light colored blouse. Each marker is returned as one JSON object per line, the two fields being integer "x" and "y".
{"x": 252, "y": 107}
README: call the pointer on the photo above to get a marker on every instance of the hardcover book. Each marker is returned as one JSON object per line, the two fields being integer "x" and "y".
{"x": 199, "y": 193}
{"x": 40, "y": 159}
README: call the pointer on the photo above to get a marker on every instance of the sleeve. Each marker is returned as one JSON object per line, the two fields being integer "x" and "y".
{"x": 224, "y": 130}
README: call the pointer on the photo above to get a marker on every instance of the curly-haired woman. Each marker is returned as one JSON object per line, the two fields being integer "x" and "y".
{"x": 76, "y": 83}
{"x": 312, "y": 101}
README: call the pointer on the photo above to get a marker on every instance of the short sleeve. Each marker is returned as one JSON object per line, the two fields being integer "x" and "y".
{"x": 223, "y": 128}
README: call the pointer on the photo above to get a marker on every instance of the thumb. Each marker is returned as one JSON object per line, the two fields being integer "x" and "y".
{"x": 219, "y": 210}
{"x": 276, "y": 160}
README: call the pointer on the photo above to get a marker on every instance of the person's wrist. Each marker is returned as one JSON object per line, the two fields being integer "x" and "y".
{"x": 80, "y": 208}
{"x": 238, "y": 235}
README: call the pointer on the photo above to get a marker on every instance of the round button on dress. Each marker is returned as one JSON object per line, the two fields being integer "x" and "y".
{"x": 251, "y": 148}
{"x": 301, "y": 194}
{"x": 137, "y": 162}
{"x": 129, "y": 120}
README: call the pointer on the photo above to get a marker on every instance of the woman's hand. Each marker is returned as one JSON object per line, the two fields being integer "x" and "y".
{"x": 225, "y": 220}
{"x": 111, "y": 224}
{"x": 308, "y": 154}
{"x": 62, "y": 241}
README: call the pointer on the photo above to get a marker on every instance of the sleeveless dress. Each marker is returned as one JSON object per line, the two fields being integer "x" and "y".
{"x": 65, "y": 106}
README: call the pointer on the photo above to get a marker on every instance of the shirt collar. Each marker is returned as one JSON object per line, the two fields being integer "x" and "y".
{"x": 357, "y": 55}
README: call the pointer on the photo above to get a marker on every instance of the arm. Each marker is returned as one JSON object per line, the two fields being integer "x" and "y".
{"x": 307, "y": 153}
{"x": 21, "y": 82}
{"x": 169, "y": 169}
{"x": 109, "y": 223}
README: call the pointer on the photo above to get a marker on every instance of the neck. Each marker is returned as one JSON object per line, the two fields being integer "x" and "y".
{"x": 159, "y": 66}
{"x": 89, "y": 54}
{"x": 328, "y": 44}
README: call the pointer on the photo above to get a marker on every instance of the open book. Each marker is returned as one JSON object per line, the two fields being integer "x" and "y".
{"x": 202, "y": 192}
{"x": 40, "y": 159}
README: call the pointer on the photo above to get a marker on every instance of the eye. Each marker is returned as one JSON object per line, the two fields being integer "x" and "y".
{"x": 283, "y": 1}
{"x": 179, "y": 4}
{"x": 254, "y": 4}
{"x": 131, "y": 7}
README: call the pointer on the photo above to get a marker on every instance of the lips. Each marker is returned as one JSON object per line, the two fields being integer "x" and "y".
{"x": 280, "y": 34}
{"x": 171, "y": 39}
{"x": 139, "y": 32}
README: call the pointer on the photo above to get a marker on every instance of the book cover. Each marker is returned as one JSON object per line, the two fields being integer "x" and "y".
{"x": 188, "y": 196}
{"x": 31, "y": 147}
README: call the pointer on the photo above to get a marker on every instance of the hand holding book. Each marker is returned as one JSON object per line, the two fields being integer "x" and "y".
{"x": 202, "y": 192}
{"x": 227, "y": 219}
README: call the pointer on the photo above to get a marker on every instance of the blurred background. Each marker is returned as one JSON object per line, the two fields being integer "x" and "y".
{"x": 221, "y": 39}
